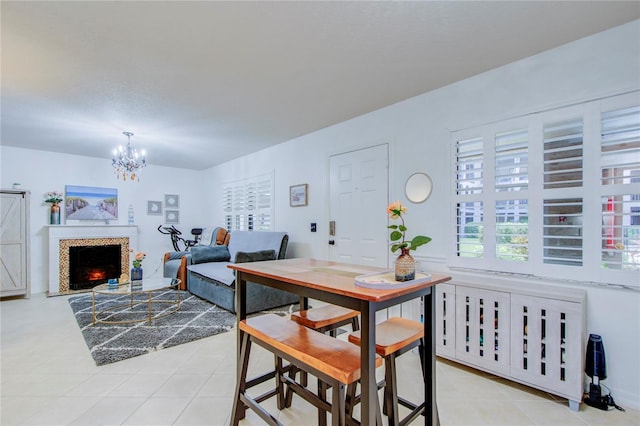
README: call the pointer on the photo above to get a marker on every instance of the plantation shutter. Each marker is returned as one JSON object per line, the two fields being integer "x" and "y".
{"x": 620, "y": 174}
{"x": 248, "y": 204}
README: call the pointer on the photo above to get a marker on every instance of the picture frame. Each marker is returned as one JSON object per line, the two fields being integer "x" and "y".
{"x": 172, "y": 216}
{"x": 171, "y": 201}
{"x": 154, "y": 207}
{"x": 298, "y": 195}
{"x": 90, "y": 203}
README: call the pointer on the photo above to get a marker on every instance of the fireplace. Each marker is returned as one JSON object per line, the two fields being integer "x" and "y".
{"x": 65, "y": 239}
{"x": 90, "y": 266}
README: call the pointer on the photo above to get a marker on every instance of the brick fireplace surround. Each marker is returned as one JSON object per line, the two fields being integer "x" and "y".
{"x": 61, "y": 237}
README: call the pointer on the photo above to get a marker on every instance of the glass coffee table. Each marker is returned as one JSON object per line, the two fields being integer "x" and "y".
{"x": 140, "y": 293}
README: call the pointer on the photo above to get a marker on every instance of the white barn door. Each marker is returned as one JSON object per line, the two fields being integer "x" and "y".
{"x": 359, "y": 182}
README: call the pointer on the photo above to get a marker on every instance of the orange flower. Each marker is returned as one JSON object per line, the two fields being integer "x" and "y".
{"x": 396, "y": 209}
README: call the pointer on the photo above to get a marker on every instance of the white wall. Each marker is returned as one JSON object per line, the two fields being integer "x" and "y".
{"x": 418, "y": 131}
{"x": 40, "y": 172}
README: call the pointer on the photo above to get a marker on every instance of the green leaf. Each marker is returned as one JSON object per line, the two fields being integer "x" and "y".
{"x": 396, "y": 247}
{"x": 418, "y": 241}
{"x": 392, "y": 226}
{"x": 403, "y": 228}
{"x": 395, "y": 236}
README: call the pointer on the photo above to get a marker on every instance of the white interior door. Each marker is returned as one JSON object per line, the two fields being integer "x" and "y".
{"x": 359, "y": 182}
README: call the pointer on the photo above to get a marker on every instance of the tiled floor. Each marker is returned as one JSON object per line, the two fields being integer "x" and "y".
{"x": 49, "y": 378}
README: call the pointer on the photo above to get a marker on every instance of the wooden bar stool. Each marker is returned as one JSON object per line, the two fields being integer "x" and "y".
{"x": 394, "y": 337}
{"x": 327, "y": 318}
{"x": 333, "y": 361}
{"x": 324, "y": 319}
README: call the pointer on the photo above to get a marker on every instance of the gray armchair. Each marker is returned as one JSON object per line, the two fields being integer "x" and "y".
{"x": 175, "y": 262}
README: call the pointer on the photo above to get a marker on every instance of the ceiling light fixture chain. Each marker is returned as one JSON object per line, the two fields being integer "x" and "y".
{"x": 127, "y": 162}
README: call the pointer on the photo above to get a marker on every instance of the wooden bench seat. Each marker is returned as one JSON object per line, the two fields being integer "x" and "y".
{"x": 332, "y": 361}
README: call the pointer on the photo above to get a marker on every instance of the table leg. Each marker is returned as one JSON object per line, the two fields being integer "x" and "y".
{"x": 429, "y": 360}
{"x": 239, "y": 409}
{"x": 93, "y": 307}
{"x": 150, "y": 307}
{"x": 367, "y": 364}
{"x": 304, "y": 303}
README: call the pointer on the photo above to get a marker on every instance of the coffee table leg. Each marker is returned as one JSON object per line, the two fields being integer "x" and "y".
{"x": 150, "y": 307}
{"x": 93, "y": 307}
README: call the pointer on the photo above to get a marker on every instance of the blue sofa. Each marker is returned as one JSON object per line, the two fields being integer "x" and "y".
{"x": 209, "y": 278}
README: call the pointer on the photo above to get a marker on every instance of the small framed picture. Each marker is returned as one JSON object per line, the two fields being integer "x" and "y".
{"x": 171, "y": 216}
{"x": 154, "y": 207}
{"x": 171, "y": 201}
{"x": 298, "y": 195}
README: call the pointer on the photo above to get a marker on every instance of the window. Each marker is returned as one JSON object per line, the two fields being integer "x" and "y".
{"x": 248, "y": 204}
{"x": 620, "y": 169}
{"x": 578, "y": 219}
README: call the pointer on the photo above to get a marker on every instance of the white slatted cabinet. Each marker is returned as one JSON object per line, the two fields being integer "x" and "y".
{"x": 529, "y": 333}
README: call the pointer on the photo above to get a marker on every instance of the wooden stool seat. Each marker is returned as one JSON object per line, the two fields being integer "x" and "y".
{"x": 324, "y": 316}
{"x": 394, "y": 337}
{"x": 333, "y": 361}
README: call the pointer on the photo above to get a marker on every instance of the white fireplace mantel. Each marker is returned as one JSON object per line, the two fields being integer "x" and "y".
{"x": 70, "y": 232}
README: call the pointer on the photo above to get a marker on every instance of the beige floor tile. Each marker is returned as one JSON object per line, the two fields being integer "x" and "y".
{"x": 140, "y": 385}
{"x": 179, "y": 385}
{"x": 40, "y": 384}
{"x": 549, "y": 413}
{"x": 60, "y": 411}
{"x": 206, "y": 411}
{"x": 221, "y": 385}
{"x": 109, "y": 411}
{"x": 158, "y": 411}
{"x": 594, "y": 416}
{"x": 98, "y": 385}
{"x": 15, "y": 410}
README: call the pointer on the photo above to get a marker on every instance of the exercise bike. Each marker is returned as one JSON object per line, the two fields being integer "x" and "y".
{"x": 177, "y": 240}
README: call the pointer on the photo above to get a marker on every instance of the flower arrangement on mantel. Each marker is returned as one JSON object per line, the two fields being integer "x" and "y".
{"x": 53, "y": 197}
{"x": 398, "y": 233}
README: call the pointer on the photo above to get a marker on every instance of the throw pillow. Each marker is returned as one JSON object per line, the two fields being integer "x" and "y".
{"x": 202, "y": 254}
{"x": 254, "y": 256}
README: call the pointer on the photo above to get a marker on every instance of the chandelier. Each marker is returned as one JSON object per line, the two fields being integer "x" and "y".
{"x": 126, "y": 161}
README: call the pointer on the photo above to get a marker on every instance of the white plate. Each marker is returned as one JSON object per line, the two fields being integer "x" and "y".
{"x": 386, "y": 280}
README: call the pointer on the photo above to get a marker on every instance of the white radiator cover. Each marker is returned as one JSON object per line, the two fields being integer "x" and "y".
{"x": 531, "y": 334}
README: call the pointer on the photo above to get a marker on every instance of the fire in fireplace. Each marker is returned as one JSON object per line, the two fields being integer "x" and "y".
{"x": 90, "y": 266}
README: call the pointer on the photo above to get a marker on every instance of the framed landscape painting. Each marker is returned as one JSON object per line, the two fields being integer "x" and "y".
{"x": 90, "y": 203}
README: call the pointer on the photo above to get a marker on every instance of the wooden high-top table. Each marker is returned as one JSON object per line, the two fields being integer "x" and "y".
{"x": 334, "y": 282}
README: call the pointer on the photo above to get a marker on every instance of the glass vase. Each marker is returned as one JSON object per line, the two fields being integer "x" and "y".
{"x": 405, "y": 266}
{"x": 136, "y": 274}
{"x": 55, "y": 214}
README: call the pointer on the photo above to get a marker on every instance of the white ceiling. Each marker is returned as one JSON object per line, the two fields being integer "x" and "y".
{"x": 201, "y": 83}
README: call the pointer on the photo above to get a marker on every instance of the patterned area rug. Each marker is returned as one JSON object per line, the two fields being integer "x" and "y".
{"x": 110, "y": 343}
